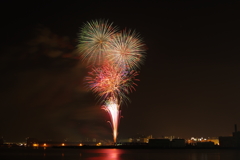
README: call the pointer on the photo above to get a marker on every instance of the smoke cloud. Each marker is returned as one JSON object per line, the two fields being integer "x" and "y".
{"x": 43, "y": 93}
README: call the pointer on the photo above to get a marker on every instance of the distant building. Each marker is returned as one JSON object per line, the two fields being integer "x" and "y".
{"x": 32, "y": 142}
{"x": 215, "y": 140}
{"x": 194, "y": 140}
{"x": 178, "y": 143}
{"x": 163, "y": 143}
{"x": 168, "y": 137}
{"x": 226, "y": 141}
{"x": 140, "y": 139}
{"x": 127, "y": 140}
{"x": 231, "y": 141}
{"x": 236, "y": 137}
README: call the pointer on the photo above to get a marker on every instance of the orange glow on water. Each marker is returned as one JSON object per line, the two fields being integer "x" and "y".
{"x": 107, "y": 154}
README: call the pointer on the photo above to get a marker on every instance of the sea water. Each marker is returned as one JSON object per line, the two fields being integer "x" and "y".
{"x": 117, "y": 154}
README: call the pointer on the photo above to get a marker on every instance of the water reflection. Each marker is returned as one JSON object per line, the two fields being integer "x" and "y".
{"x": 196, "y": 156}
{"x": 122, "y": 154}
{"x": 106, "y": 154}
{"x": 204, "y": 155}
{"x": 119, "y": 154}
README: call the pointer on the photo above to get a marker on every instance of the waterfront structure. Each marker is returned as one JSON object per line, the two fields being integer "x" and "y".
{"x": 32, "y": 142}
{"x": 140, "y": 139}
{"x": 164, "y": 143}
{"x": 194, "y": 140}
{"x": 178, "y": 143}
{"x": 231, "y": 141}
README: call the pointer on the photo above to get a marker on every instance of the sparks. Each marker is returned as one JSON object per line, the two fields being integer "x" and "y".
{"x": 114, "y": 58}
{"x": 127, "y": 50}
{"x": 113, "y": 109}
{"x": 94, "y": 41}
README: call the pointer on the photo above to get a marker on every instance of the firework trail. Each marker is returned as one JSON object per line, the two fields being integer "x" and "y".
{"x": 114, "y": 58}
{"x": 112, "y": 107}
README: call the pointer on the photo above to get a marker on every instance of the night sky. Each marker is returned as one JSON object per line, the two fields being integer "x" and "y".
{"x": 189, "y": 84}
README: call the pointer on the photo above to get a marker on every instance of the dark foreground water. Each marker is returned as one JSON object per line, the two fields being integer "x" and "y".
{"x": 118, "y": 154}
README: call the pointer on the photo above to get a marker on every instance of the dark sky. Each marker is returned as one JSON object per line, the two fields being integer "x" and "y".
{"x": 189, "y": 85}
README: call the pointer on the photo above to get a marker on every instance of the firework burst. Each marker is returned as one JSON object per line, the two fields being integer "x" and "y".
{"x": 113, "y": 57}
{"x": 127, "y": 50}
{"x": 108, "y": 81}
{"x": 94, "y": 41}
